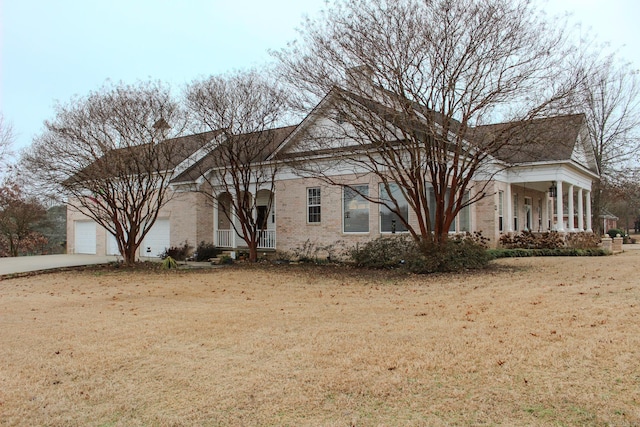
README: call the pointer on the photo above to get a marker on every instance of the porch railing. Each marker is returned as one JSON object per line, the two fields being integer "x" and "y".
{"x": 223, "y": 238}
{"x": 266, "y": 240}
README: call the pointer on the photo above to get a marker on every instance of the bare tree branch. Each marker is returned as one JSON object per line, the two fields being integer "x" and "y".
{"x": 107, "y": 155}
{"x": 422, "y": 78}
{"x": 242, "y": 111}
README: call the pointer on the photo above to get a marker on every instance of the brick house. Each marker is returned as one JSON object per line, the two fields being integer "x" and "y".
{"x": 544, "y": 185}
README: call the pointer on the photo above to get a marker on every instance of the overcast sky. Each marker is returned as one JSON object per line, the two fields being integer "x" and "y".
{"x": 51, "y": 50}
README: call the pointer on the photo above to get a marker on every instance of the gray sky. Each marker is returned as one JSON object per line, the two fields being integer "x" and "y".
{"x": 52, "y": 50}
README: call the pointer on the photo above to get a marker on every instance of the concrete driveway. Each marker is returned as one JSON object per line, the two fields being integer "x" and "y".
{"x": 26, "y": 264}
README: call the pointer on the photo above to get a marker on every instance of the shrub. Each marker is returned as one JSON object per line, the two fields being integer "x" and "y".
{"x": 529, "y": 240}
{"x": 583, "y": 240}
{"x": 384, "y": 252}
{"x": 226, "y": 259}
{"x": 206, "y": 251}
{"x": 169, "y": 263}
{"x": 311, "y": 251}
{"x": 457, "y": 254}
{"x": 614, "y": 232}
{"x": 178, "y": 253}
{"x": 520, "y": 253}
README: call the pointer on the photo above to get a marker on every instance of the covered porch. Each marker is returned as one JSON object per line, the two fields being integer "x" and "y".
{"x": 547, "y": 206}
{"x": 227, "y": 227}
{"x": 540, "y": 199}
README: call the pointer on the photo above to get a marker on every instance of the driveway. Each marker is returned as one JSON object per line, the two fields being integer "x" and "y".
{"x": 25, "y": 264}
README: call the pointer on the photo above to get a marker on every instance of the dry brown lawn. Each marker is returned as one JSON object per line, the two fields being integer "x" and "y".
{"x": 541, "y": 341}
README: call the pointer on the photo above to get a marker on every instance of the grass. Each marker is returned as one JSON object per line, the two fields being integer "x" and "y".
{"x": 535, "y": 341}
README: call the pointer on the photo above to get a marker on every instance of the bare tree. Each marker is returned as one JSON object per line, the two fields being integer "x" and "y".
{"x": 623, "y": 192}
{"x": 7, "y": 137}
{"x": 610, "y": 98}
{"x": 241, "y": 111}
{"x": 107, "y": 155}
{"x": 421, "y": 76}
{"x": 18, "y": 216}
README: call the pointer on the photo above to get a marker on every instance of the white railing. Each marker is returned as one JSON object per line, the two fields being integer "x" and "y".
{"x": 267, "y": 239}
{"x": 223, "y": 238}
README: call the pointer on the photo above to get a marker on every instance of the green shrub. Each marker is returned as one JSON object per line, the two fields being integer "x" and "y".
{"x": 226, "y": 259}
{"x": 206, "y": 251}
{"x": 384, "y": 252}
{"x": 456, "y": 254}
{"x": 521, "y": 253}
{"x": 614, "y": 232}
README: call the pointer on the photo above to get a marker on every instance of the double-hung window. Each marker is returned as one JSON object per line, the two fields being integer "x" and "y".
{"x": 314, "y": 207}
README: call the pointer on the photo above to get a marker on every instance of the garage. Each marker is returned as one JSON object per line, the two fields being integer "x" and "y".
{"x": 85, "y": 237}
{"x": 157, "y": 240}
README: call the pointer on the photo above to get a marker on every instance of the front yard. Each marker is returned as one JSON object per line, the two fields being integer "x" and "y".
{"x": 535, "y": 341}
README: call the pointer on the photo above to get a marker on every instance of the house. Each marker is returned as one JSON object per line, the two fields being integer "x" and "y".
{"x": 544, "y": 184}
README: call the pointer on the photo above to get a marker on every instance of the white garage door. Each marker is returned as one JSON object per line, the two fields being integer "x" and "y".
{"x": 85, "y": 240}
{"x": 157, "y": 240}
{"x": 112, "y": 245}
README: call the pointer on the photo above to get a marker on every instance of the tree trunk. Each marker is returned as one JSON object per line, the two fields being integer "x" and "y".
{"x": 129, "y": 256}
{"x": 596, "y": 207}
{"x": 253, "y": 251}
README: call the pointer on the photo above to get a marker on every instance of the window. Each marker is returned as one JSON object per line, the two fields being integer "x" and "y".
{"x": 501, "y": 211}
{"x": 389, "y": 221}
{"x": 515, "y": 212}
{"x": 356, "y": 209}
{"x": 464, "y": 217}
{"x": 528, "y": 214}
{"x": 462, "y": 221}
{"x": 313, "y": 205}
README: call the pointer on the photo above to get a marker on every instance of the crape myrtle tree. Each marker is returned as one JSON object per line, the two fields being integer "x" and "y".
{"x": 610, "y": 99}
{"x": 19, "y": 214}
{"x": 105, "y": 154}
{"x": 420, "y": 76}
{"x": 243, "y": 109}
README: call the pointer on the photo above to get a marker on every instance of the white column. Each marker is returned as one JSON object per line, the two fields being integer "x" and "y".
{"x": 570, "y": 222}
{"x": 580, "y": 211}
{"x": 588, "y": 206}
{"x": 559, "y": 208}
{"x": 233, "y": 221}
{"x": 509, "y": 209}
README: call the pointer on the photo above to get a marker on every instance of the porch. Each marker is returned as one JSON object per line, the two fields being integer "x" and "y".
{"x": 554, "y": 205}
{"x": 227, "y": 225}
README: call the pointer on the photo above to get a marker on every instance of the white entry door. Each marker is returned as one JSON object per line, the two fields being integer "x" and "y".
{"x": 85, "y": 237}
{"x": 157, "y": 239}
